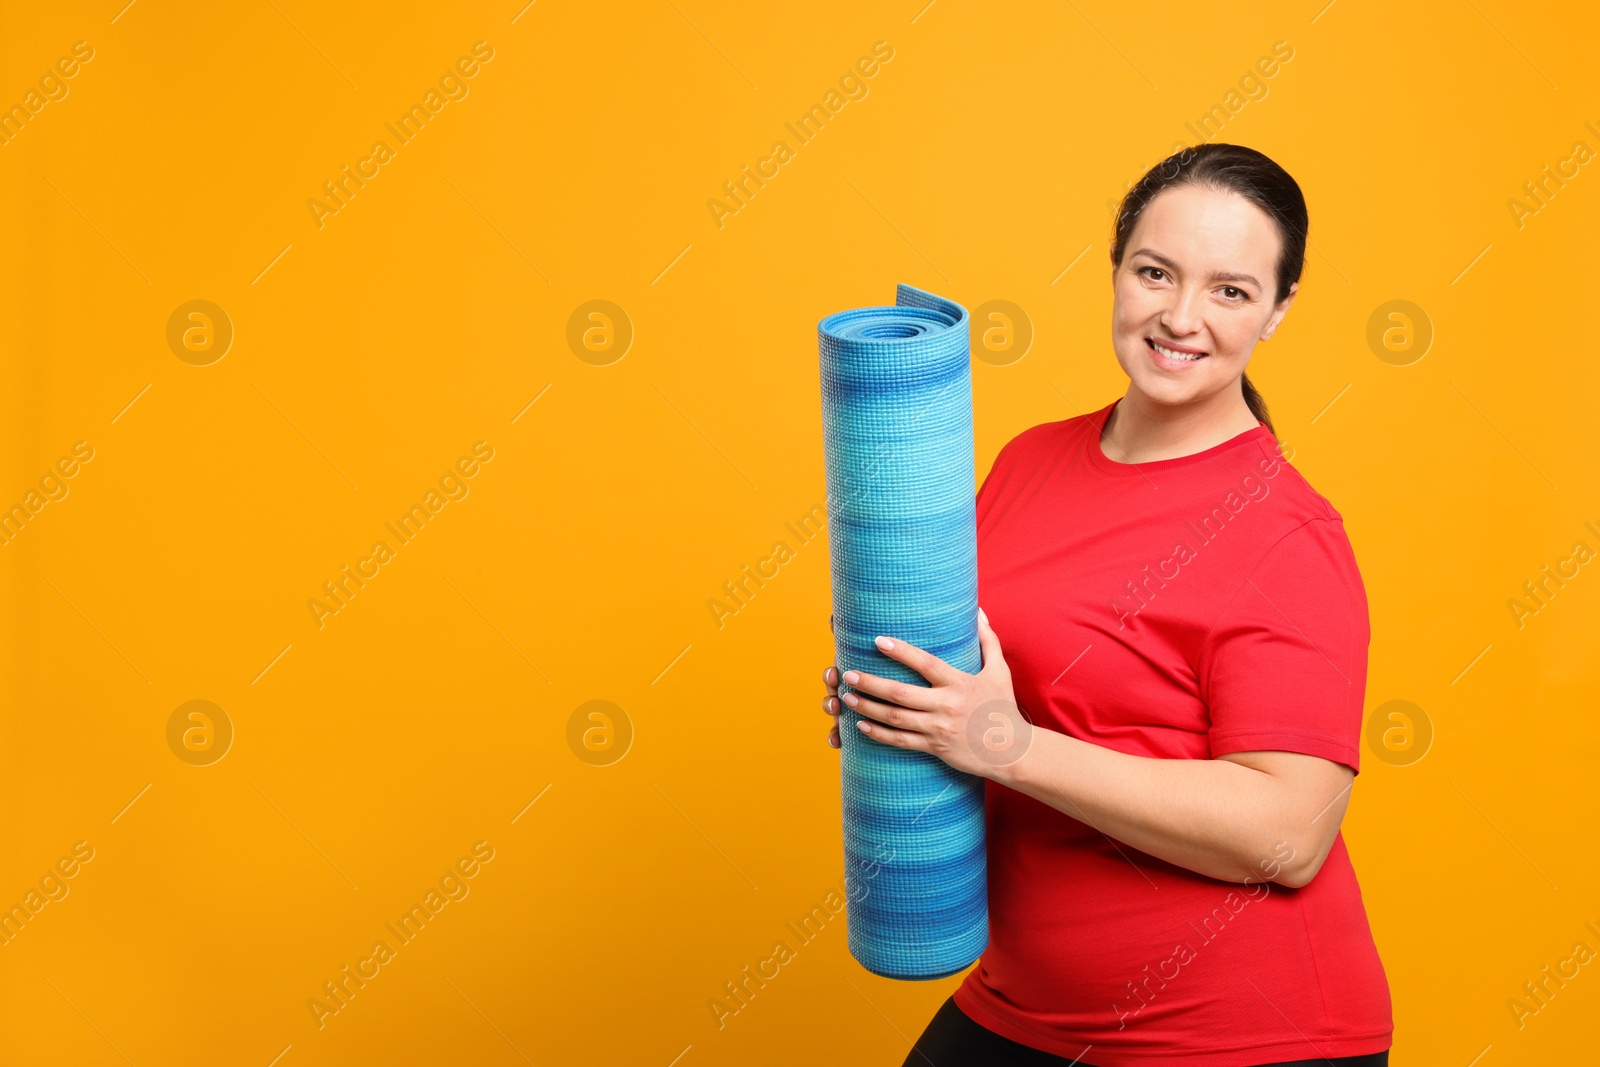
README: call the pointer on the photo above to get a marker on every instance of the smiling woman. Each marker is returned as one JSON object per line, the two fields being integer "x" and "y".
{"x": 1143, "y": 765}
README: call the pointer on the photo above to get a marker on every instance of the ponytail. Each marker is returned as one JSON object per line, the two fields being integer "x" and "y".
{"x": 1258, "y": 405}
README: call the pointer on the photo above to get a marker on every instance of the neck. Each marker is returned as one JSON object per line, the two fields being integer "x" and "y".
{"x": 1141, "y": 431}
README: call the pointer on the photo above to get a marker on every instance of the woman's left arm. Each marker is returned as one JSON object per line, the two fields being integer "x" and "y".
{"x": 1241, "y": 817}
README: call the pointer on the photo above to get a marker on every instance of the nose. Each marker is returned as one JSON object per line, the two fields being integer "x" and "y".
{"x": 1182, "y": 315}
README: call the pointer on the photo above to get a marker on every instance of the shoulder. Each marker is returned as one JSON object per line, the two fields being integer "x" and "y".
{"x": 1305, "y": 568}
{"x": 1303, "y": 584}
{"x": 1303, "y": 502}
{"x": 1048, "y": 437}
{"x": 1296, "y": 544}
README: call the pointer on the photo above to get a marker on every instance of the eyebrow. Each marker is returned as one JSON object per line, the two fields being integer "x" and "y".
{"x": 1220, "y": 276}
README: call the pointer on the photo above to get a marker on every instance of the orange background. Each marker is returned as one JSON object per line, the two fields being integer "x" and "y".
{"x": 372, "y": 352}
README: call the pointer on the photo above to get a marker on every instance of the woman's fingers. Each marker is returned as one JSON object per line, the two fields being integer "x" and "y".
{"x": 892, "y": 714}
{"x": 931, "y": 667}
{"x": 830, "y": 703}
{"x": 988, "y": 642}
{"x": 920, "y": 697}
{"x": 886, "y": 735}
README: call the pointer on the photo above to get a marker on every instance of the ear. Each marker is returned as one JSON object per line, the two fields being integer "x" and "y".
{"x": 1279, "y": 312}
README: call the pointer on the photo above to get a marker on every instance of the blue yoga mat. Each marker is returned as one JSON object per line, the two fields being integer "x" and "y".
{"x": 902, "y": 530}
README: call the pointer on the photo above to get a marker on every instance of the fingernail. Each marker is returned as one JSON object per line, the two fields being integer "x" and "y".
{"x": 850, "y": 698}
{"x": 886, "y": 643}
{"x": 851, "y": 677}
{"x": 982, "y": 615}
{"x": 866, "y": 727}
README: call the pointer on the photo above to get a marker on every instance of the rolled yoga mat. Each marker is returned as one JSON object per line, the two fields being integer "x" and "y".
{"x": 902, "y": 530}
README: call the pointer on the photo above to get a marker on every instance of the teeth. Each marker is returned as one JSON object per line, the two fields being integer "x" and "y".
{"x": 1170, "y": 354}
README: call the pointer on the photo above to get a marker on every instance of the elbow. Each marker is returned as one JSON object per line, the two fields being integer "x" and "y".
{"x": 1290, "y": 864}
{"x": 1299, "y": 865}
{"x": 1298, "y": 875}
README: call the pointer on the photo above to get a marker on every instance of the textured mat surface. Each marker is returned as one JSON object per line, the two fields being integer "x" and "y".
{"x": 898, "y": 447}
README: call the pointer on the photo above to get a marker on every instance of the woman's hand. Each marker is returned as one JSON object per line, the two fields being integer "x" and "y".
{"x": 830, "y": 703}
{"x": 971, "y": 721}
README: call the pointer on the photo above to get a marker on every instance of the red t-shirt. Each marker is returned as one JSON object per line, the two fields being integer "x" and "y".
{"x": 1178, "y": 609}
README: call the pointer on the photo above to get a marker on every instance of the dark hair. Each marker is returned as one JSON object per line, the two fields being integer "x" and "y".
{"x": 1235, "y": 169}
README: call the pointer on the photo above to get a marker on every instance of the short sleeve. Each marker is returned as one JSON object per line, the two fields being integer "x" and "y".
{"x": 987, "y": 478}
{"x": 1285, "y": 665}
{"x": 999, "y": 463}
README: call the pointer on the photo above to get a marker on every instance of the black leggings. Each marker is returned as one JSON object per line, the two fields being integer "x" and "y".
{"x": 953, "y": 1040}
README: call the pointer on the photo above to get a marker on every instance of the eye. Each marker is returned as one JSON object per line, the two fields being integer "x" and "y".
{"x": 1157, "y": 270}
{"x": 1231, "y": 289}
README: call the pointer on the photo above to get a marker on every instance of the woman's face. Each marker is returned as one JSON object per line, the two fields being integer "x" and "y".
{"x": 1197, "y": 277}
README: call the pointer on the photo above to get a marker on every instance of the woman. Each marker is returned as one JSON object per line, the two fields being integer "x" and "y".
{"x": 1172, "y": 731}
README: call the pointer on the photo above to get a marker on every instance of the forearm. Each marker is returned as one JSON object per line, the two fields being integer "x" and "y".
{"x": 1216, "y": 817}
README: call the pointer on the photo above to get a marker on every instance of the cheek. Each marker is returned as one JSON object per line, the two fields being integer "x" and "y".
{"x": 1126, "y": 333}
{"x": 1135, "y": 314}
{"x": 1131, "y": 311}
{"x": 1235, "y": 337}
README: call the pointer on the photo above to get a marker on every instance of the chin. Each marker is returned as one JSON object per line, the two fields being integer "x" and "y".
{"x": 1168, "y": 395}
{"x": 1166, "y": 392}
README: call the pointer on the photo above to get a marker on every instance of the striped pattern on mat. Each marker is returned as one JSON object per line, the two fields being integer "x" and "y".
{"x": 902, "y": 530}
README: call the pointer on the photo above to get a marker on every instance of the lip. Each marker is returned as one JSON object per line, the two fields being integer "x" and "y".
{"x": 1175, "y": 346}
{"x": 1174, "y": 364}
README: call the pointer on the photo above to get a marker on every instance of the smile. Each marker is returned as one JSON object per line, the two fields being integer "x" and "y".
{"x": 1172, "y": 358}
